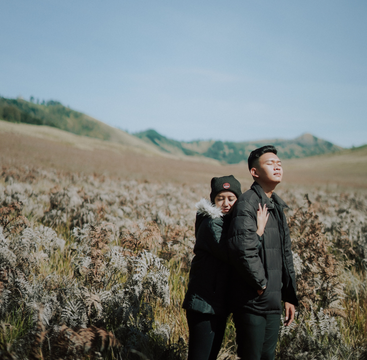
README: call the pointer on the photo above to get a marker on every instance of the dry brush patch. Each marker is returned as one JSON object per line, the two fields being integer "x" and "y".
{"x": 96, "y": 267}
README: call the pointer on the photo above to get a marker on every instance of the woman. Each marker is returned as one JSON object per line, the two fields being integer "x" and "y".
{"x": 207, "y": 295}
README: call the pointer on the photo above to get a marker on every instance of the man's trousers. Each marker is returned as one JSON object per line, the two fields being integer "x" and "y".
{"x": 256, "y": 335}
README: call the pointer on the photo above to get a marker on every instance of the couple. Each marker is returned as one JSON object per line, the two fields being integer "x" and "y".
{"x": 243, "y": 264}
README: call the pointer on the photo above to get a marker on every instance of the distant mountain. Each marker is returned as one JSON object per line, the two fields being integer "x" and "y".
{"x": 165, "y": 144}
{"x": 53, "y": 113}
{"x": 235, "y": 152}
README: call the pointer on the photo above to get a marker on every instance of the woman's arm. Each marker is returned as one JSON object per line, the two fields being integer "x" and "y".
{"x": 262, "y": 218}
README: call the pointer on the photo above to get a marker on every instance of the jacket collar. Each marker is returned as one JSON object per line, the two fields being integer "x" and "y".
{"x": 207, "y": 208}
{"x": 265, "y": 200}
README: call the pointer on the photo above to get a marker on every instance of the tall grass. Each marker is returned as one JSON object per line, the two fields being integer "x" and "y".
{"x": 92, "y": 267}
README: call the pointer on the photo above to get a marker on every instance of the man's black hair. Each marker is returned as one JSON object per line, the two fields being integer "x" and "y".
{"x": 255, "y": 154}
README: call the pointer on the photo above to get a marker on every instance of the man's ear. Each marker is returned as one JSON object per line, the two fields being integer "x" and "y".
{"x": 254, "y": 173}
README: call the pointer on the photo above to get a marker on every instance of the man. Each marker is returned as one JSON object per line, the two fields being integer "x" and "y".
{"x": 263, "y": 273}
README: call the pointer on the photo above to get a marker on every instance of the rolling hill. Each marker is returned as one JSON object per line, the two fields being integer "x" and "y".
{"x": 235, "y": 152}
{"x": 44, "y": 147}
{"x": 54, "y": 114}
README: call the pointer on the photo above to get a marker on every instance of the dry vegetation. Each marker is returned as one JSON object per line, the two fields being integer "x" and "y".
{"x": 95, "y": 248}
{"x": 97, "y": 268}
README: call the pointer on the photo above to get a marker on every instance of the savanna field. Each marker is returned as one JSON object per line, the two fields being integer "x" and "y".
{"x": 94, "y": 266}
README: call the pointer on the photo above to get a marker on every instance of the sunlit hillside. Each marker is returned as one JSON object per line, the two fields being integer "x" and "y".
{"x": 347, "y": 168}
{"x": 57, "y": 116}
{"x": 51, "y": 148}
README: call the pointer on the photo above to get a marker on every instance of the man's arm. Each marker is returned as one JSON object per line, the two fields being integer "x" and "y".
{"x": 289, "y": 290}
{"x": 290, "y": 311}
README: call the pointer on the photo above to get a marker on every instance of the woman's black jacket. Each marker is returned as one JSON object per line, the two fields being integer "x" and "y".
{"x": 208, "y": 283}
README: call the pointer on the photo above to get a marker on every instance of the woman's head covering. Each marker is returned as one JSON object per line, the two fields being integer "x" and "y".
{"x": 225, "y": 183}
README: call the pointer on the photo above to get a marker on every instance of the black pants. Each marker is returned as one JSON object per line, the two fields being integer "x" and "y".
{"x": 206, "y": 335}
{"x": 256, "y": 335}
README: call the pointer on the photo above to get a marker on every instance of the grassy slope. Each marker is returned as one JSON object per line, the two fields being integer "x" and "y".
{"x": 58, "y": 116}
{"x": 51, "y": 148}
{"x": 164, "y": 144}
{"x": 347, "y": 168}
{"x": 61, "y": 117}
{"x": 47, "y": 147}
{"x": 122, "y": 141}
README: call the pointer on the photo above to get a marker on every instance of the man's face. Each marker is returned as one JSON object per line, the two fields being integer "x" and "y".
{"x": 268, "y": 169}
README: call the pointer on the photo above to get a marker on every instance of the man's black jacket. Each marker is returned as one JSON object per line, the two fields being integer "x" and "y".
{"x": 260, "y": 261}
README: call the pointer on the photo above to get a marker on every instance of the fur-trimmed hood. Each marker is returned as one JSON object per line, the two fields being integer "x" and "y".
{"x": 207, "y": 208}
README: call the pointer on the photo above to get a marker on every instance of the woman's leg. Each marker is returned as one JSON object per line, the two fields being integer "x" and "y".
{"x": 219, "y": 327}
{"x": 206, "y": 333}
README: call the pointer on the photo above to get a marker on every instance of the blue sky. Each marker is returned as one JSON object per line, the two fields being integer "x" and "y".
{"x": 228, "y": 70}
